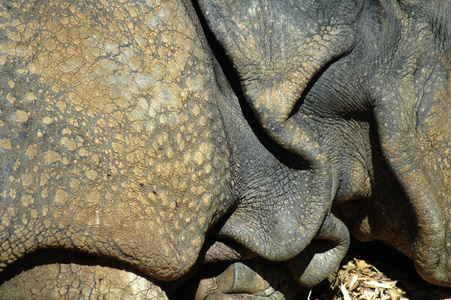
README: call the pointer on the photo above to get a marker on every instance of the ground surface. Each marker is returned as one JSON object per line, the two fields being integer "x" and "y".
{"x": 374, "y": 271}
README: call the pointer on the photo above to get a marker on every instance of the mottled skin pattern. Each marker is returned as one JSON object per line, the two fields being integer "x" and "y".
{"x": 76, "y": 276}
{"x": 72, "y": 281}
{"x": 110, "y": 143}
{"x": 360, "y": 90}
{"x": 120, "y": 139}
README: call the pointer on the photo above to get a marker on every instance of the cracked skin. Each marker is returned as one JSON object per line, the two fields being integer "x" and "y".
{"x": 109, "y": 142}
{"x": 122, "y": 143}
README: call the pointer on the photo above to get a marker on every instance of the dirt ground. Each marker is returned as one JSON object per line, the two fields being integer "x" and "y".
{"x": 375, "y": 271}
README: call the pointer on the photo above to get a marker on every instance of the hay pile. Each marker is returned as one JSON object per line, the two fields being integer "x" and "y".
{"x": 360, "y": 280}
{"x": 374, "y": 271}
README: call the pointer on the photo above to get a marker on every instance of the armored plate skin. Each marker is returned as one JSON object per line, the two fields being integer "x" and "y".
{"x": 110, "y": 140}
{"x": 124, "y": 146}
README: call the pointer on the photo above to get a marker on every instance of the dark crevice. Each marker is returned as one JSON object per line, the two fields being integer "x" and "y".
{"x": 387, "y": 198}
{"x": 312, "y": 83}
{"x": 282, "y": 155}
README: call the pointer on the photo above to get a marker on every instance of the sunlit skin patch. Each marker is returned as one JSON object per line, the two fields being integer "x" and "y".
{"x": 111, "y": 143}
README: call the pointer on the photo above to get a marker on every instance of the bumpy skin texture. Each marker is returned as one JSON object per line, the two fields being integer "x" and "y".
{"x": 72, "y": 281}
{"x": 360, "y": 90}
{"x": 120, "y": 137}
{"x": 75, "y": 276}
{"x": 110, "y": 136}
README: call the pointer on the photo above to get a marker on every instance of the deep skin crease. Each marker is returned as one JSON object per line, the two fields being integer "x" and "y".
{"x": 364, "y": 87}
{"x": 128, "y": 159}
{"x": 121, "y": 139}
{"x": 111, "y": 144}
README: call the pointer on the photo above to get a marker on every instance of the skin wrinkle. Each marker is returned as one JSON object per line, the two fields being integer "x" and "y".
{"x": 403, "y": 48}
{"x": 121, "y": 97}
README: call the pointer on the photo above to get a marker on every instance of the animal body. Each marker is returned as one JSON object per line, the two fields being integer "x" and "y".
{"x": 130, "y": 155}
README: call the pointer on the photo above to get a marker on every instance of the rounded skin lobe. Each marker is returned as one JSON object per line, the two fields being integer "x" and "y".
{"x": 277, "y": 48}
{"x": 397, "y": 57}
{"x": 59, "y": 275}
{"x": 110, "y": 140}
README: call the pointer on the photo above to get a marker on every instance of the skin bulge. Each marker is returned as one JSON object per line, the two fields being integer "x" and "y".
{"x": 109, "y": 142}
{"x": 397, "y": 100}
{"x": 413, "y": 114}
{"x": 69, "y": 275}
{"x": 29, "y": 107}
{"x": 271, "y": 87}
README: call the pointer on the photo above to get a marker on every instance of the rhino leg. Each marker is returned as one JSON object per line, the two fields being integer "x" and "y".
{"x": 69, "y": 275}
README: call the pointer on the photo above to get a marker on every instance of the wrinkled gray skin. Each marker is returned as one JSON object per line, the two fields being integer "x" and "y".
{"x": 359, "y": 90}
{"x": 121, "y": 138}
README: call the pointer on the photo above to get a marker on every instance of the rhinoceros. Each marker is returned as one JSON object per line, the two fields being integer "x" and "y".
{"x": 141, "y": 140}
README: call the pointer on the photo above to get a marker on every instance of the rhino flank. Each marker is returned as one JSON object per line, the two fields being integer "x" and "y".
{"x": 125, "y": 147}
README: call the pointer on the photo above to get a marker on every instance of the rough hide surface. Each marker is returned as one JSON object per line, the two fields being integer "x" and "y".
{"x": 144, "y": 139}
{"x": 110, "y": 141}
{"x": 361, "y": 91}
